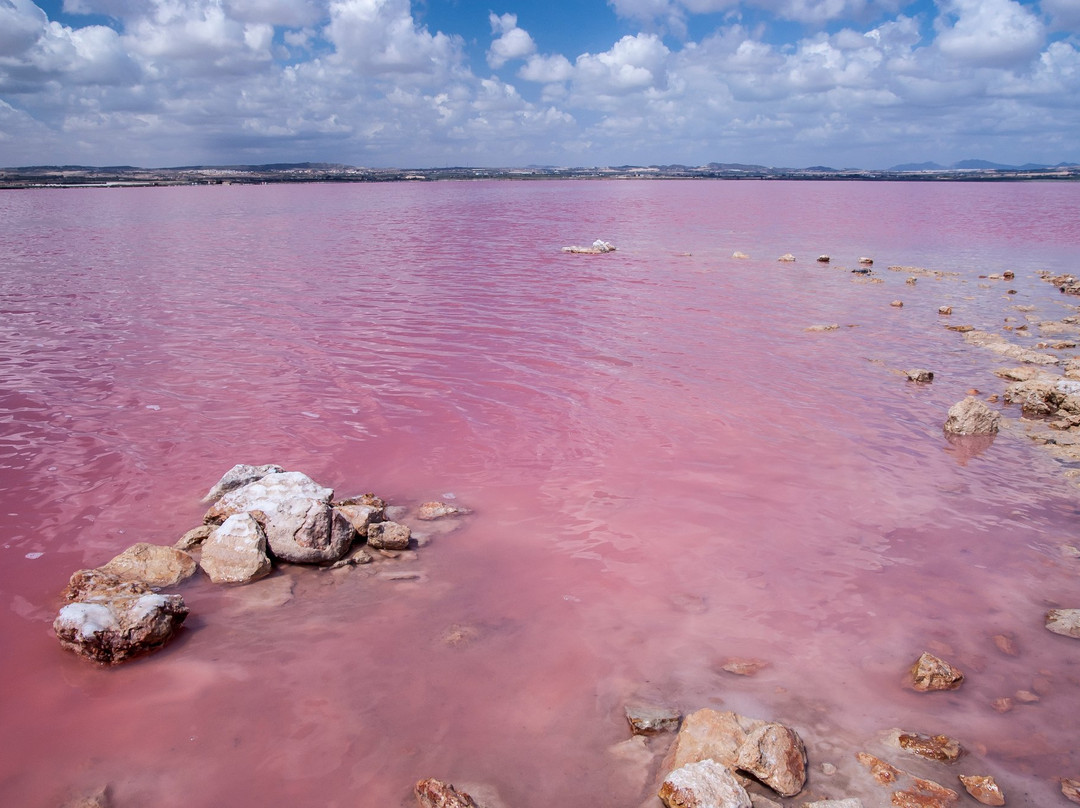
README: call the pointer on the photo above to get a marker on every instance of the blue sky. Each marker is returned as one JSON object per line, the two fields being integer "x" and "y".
{"x": 847, "y": 83}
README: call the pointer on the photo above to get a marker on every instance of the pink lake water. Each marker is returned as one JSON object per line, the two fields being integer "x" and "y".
{"x": 666, "y": 471}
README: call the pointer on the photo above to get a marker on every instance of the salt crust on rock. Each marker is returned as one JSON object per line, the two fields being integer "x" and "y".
{"x": 704, "y": 784}
{"x": 235, "y": 552}
{"x": 972, "y": 417}
{"x": 110, "y": 630}
{"x": 239, "y": 475}
{"x": 295, "y": 512}
{"x": 1064, "y": 621}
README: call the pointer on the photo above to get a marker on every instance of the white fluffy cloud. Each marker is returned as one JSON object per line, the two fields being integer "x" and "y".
{"x": 512, "y": 42}
{"x": 989, "y": 32}
{"x": 366, "y": 81}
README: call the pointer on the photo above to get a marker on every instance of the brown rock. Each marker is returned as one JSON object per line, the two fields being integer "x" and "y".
{"x": 984, "y": 789}
{"x": 647, "y": 719}
{"x": 432, "y": 793}
{"x": 1002, "y": 705}
{"x": 786, "y": 258}
{"x": 193, "y": 538}
{"x": 710, "y": 734}
{"x": 823, "y": 327}
{"x": 866, "y": 261}
{"x": 437, "y": 510}
{"x": 1071, "y": 789}
{"x": 152, "y": 564}
{"x": 1006, "y": 644}
{"x": 96, "y": 584}
{"x": 775, "y": 755}
{"x": 931, "y": 747}
{"x": 972, "y": 417}
{"x": 744, "y": 667}
{"x": 920, "y": 375}
{"x": 360, "y": 516}
{"x": 944, "y": 310}
{"x": 897, "y": 304}
{"x": 925, "y": 794}
{"x": 388, "y": 536}
{"x": 824, "y": 259}
{"x": 881, "y": 771}
{"x": 911, "y": 281}
{"x": 933, "y": 673}
{"x": 705, "y": 784}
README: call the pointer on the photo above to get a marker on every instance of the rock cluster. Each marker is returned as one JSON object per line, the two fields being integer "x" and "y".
{"x": 597, "y": 247}
{"x": 258, "y": 515}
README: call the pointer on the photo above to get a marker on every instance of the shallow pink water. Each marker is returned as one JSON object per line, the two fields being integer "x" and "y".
{"x": 666, "y": 471}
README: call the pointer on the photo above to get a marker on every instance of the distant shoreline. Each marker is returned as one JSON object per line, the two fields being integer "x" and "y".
{"x": 128, "y": 176}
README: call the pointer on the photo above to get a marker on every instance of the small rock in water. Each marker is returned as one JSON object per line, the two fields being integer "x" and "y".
{"x": 94, "y": 799}
{"x": 738, "y": 254}
{"x": 911, "y": 281}
{"x": 437, "y": 510}
{"x": 824, "y": 327}
{"x": 1002, "y": 705}
{"x": 971, "y": 417}
{"x": 983, "y": 788}
{"x": 705, "y": 784}
{"x": 432, "y": 793}
{"x": 112, "y": 629}
{"x": 932, "y": 747}
{"x": 194, "y": 537}
{"x": 824, "y": 259}
{"x": 920, "y": 375}
{"x": 1071, "y": 789}
{"x": 744, "y": 667}
{"x": 786, "y": 258}
{"x": 881, "y": 771}
{"x": 866, "y": 260}
{"x": 933, "y": 673}
{"x": 897, "y": 304}
{"x": 1006, "y": 644}
{"x": 1064, "y": 621}
{"x": 388, "y": 536}
{"x": 1026, "y": 697}
{"x": 775, "y": 755}
{"x": 647, "y": 719}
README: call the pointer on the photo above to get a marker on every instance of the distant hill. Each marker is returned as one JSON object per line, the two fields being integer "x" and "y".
{"x": 918, "y": 167}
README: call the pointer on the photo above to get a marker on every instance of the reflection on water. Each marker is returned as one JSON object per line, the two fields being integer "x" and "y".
{"x": 667, "y": 472}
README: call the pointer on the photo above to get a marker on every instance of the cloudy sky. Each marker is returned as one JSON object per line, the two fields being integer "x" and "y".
{"x": 866, "y": 83}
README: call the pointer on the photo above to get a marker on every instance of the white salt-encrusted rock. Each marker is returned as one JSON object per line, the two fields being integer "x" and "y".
{"x": 295, "y": 512}
{"x": 972, "y": 417}
{"x": 1064, "y": 621}
{"x": 705, "y": 784}
{"x": 113, "y": 629}
{"x": 239, "y": 475}
{"x": 430, "y": 511}
{"x": 235, "y": 552}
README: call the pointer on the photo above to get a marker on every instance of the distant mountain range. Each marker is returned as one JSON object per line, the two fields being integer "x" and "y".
{"x": 977, "y": 165}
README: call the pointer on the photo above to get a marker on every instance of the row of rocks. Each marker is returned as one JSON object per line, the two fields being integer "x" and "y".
{"x": 259, "y": 515}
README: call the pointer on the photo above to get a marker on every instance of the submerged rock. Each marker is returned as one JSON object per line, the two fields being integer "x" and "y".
{"x": 430, "y": 511}
{"x": 361, "y": 517}
{"x": 983, "y": 788}
{"x": 236, "y": 551}
{"x": 932, "y": 747}
{"x": 705, "y": 784}
{"x": 920, "y": 375}
{"x": 1064, "y": 621}
{"x": 1071, "y": 789}
{"x": 933, "y": 673}
{"x": 972, "y": 417}
{"x": 239, "y": 475}
{"x": 152, "y": 564}
{"x": 432, "y": 793}
{"x": 110, "y": 620}
{"x": 648, "y": 719}
{"x": 823, "y": 327}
